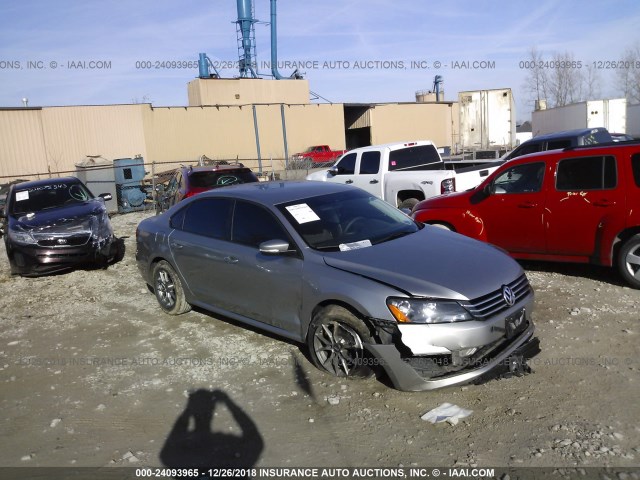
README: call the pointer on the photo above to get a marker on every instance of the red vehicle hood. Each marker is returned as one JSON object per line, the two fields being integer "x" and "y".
{"x": 449, "y": 200}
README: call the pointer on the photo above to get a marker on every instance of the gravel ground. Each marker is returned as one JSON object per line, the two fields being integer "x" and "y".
{"x": 94, "y": 374}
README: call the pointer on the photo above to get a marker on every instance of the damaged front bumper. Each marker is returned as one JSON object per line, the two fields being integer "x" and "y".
{"x": 405, "y": 377}
{"x": 28, "y": 260}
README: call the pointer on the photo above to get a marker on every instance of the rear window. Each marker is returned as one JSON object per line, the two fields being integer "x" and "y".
{"x": 598, "y": 136}
{"x": 210, "y": 217}
{"x": 370, "y": 163}
{"x": 586, "y": 173}
{"x": 221, "y": 178}
{"x": 422, "y": 157}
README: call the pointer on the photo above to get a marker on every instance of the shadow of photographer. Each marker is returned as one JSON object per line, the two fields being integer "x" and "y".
{"x": 192, "y": 443}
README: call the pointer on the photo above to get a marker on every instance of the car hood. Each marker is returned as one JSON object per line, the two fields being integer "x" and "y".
{"x": 60, "y": 218}
{"x": 432, "y": 263}
{"x": 448, "y": 200}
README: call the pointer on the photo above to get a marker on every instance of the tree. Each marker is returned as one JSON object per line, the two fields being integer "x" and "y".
{"x": 628, "y": 77}
{"x": 537, "y": 81}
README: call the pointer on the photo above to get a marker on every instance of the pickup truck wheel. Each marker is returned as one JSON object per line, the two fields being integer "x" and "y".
{"x": 168, "y": 289}
{"x": 442, "y": 226}
{"x": 629, "y": 261}
{"x": 408, "y": 203}
{"x": 335, "y": 340}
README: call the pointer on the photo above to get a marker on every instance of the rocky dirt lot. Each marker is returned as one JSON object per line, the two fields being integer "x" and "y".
{"x": 92, "y": 373}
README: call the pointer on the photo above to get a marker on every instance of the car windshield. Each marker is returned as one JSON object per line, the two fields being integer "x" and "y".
{"x": 43, "y": 197}
{"x": 221, "y": 178}
{"x": 346, "y": 220}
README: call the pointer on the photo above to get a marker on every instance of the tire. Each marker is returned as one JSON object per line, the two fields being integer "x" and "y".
{"x": 629, "y": 261}
{"x": 168, "y": 289}
{"x": 442, "y": 226}
{"x": 335, "y": 340}
{"x": 408, "y": 203}
{"x": 117, "y": 251}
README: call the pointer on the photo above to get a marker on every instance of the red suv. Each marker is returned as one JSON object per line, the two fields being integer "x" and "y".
{"x": 579, "y": 204}
{"x": 187, "y": 181}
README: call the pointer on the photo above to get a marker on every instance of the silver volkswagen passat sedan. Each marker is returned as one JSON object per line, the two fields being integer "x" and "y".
{"x": 362, "y": 284}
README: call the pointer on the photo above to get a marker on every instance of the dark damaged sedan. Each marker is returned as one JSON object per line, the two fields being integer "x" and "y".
{"x": 56, "y": 224}
{"x": 359, "y": 282}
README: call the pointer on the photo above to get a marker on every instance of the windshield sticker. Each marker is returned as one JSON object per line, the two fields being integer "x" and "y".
{"x": 53, "y": 186}
{"x": 23, "y": 195}
{"x": 345, "y": 247}
{"x": 303, "y": 213}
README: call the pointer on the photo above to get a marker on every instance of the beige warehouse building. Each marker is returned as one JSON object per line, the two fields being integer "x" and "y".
{"x": 256, "y": 121}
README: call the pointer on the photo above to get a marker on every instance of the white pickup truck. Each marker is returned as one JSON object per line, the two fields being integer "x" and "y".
{"x": 405, "y": 173}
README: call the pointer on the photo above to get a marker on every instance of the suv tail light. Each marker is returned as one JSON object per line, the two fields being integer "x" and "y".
{"x": 448, "y": 185}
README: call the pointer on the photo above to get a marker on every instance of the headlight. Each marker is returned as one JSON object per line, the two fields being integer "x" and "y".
{"x": 21, "y": 237}
{"x": 408, "y": 310}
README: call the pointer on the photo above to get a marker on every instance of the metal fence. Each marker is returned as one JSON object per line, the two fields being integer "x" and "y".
{"x": 132, "y": 182}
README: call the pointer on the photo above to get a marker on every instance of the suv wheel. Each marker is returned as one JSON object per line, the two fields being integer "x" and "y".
{"x": 629, "y": 261}
{"x": 335, "y": 340}
{"x": 168, "y": 289}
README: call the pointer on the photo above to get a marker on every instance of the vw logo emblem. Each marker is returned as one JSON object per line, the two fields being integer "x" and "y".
{"x": 62, "y": 241}
{"x": 508, "y": 295}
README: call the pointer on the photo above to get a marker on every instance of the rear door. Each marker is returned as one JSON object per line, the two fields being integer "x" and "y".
{"x": 513, "y": 215}
{"x": 200, "y": 244}
{"x": 586, "y": 196}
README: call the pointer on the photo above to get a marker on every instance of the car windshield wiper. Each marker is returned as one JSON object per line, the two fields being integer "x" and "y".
{"x": 393, "y": 236}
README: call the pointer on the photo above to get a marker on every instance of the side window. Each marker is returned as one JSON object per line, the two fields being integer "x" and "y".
{"x": 635, "y": 166}
{"x": 526, "y": 149}
{"x": 586, "y": 173}
{"x": 347, "y": 165}
{"x": 558, "y": 144}
{"x": 370, "y": 163}
{"x": 210, "y": 217}
{"x": 253, "y": 225}
{"x": 178, "y": 219}
{"x": 525, "y": 178}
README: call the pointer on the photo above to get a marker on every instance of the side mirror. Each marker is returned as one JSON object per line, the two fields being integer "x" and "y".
{"x": 274, "y": 247}
{"x": 481, "y": 194}
{"x": 106, "y": 196}
{"x": 333, "y": 170}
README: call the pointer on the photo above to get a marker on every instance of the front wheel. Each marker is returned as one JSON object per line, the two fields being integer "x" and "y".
{"x": 336, "y": 343}
{"x": 168, "y": 289}
{"x": 629, "y": 261}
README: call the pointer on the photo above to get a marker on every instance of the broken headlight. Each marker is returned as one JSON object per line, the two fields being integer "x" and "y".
{"x": 411, "y": 310}
{"x": 20, "y": 236}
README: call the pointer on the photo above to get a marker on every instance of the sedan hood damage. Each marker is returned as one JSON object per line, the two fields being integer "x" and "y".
{"x": 445, "y": 265}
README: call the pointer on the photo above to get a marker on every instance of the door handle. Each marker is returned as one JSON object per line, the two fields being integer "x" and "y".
{"x": 374, "y": 181}
{"x": 528, "y": 205}
{"x": 231, "y": 260}
{"x": 604, "y": 203}
{"x": 349, "y": 181}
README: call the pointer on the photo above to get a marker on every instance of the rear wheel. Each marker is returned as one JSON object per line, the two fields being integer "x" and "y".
{"x": 408, "y": 203}
{"x": 629, "y": 261}
{"x": 442, "y": 225}
{"x": 336, "y": 343}
{"x": 168, "y": 289}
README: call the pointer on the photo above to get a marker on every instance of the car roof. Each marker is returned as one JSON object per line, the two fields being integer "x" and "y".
{"x": 214, "y": 168}
{"x": 47, "y": 181}
{"x": 566, "y": 133}
{"x": 579, "y": 150}
{"x": 274, "y": 193}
